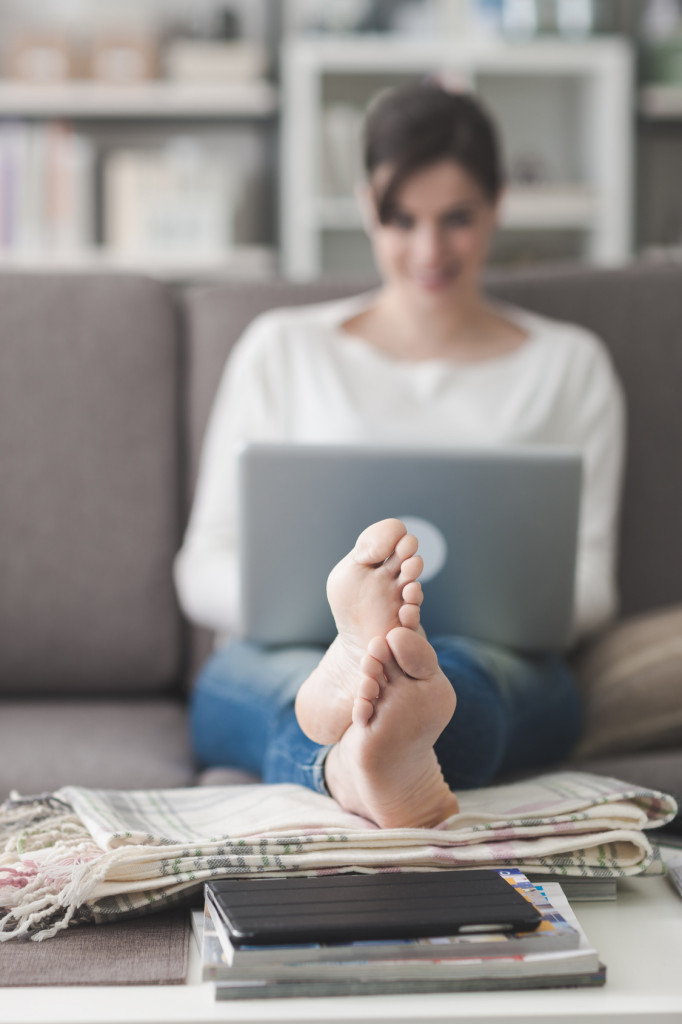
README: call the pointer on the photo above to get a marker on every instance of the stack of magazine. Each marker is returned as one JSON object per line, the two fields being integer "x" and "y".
{"x": 555, "y": 954}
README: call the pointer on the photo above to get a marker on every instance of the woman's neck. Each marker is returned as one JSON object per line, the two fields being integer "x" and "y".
{"x": 431, "y": 331}
{"x": 467, "y": 331}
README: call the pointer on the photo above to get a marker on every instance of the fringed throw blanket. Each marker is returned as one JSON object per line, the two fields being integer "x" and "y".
{"x": 83, "y": 855}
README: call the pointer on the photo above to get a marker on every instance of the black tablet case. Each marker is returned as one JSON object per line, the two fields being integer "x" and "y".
{"x": 355, "y": 907}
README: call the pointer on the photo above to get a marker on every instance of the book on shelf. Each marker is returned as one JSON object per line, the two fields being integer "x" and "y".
{"x": 176, "y": 199}
{"x": 558, "y": 955}
{"x": 46, "y": 188}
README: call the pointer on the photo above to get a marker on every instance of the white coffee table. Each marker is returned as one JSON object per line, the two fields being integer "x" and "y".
{"x": 639, "y": 937}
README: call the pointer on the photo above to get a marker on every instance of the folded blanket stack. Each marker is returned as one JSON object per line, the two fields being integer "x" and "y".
{"x": 82, "y": 855}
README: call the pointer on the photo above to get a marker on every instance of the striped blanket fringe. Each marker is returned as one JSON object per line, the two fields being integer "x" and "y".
{"x": 50, "y": 843}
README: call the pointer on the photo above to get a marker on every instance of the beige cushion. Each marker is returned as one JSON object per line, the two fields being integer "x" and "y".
{"x": 631, "y": 680}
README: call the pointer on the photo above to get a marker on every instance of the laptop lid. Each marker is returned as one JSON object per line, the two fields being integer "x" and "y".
{"x": 497, "y": 530}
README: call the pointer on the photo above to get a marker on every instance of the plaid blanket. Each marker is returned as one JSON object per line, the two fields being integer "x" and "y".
{"x": 82, "y": 855}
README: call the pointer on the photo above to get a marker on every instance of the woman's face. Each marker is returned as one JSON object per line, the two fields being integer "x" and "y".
{"x": 436, "y": 242}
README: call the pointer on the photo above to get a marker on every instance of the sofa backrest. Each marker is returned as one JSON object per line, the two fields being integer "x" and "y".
{"x": 636, "y": 310}
{"x": 89, "y": 485}
{"x": 105, "y": 387}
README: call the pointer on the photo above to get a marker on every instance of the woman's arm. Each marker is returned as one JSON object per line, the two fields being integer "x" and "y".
{"x": 600, "y": 433}
{"x": 247, "y": 407}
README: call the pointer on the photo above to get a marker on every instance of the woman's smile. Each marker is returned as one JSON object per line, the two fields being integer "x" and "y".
{"x": 433, "y": 280}
{"x": 437, "y": 234}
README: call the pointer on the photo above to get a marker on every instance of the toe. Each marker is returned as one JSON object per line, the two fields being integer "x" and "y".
{"x": 404, "y": 550}
{"x": 412, "y": 593}
{"x": 378, "y": 649}
{"x": 411, "y": 568}
{"x": 369, "y": 688}
{"x": 362, "y": 711}
{"x": 406, "y": 546}
{"x": 412, "y": 652}
{"x": 408, "y": 615}
{"x": 371, "y": 666}
{"x": 378, "y": 541}
{"x": 381, "y": 650}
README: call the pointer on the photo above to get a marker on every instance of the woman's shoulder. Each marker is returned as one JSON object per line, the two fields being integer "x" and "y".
{"x": 298, "y": 321}
{"x": 576, "y": 358}
{"x": 561, "y": 339}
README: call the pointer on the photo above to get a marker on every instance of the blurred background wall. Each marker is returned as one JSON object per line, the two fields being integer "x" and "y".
{"x": 221, "y": 138}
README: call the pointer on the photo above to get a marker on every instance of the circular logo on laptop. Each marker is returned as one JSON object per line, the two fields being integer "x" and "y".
{"x": 432, "y": 545}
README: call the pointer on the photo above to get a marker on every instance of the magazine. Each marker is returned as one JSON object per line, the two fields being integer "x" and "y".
{"x": 575, "y": 967}
{"x": 376, "y": 987}
{"x": 554, "y": 933}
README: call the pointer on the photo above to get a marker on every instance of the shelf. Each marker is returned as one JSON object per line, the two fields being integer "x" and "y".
{"x": 157, "y": 99}
{"x": 377, "y": 54}
{"x": 569, "y": 101}
{"x": 661, "y": 102}
{"x": 240, "y": 263}
{"x": 524, "y": 207}
{"x": 548, "y": 207}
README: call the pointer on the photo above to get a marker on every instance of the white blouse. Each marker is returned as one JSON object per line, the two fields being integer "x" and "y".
{"x": 296, "y": 375}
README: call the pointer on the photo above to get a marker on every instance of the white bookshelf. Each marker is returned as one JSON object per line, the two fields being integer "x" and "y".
{"x": 143, "y": 115}
{"x": 544, "y": 208}
{"x": 153, "y": 99}
{"x": 569, "y": 103}
{"x": 241, "y": 263}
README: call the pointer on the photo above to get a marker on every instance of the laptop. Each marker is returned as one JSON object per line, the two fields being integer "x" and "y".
{"x": 497, "y": 530}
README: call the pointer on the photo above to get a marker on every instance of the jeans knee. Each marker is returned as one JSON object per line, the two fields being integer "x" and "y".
{"x": 229, "y": 725}
{"x": 472, "y": 746}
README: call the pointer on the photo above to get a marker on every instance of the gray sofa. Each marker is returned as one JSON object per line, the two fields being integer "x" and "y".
{"x": 105, "y": 386}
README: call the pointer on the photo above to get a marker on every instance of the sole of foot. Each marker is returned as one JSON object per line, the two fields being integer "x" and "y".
{"x": 384, "y": 767}
{"x": 371, "y": 591}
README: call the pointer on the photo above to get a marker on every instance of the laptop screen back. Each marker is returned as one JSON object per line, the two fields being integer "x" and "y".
{"x": 497, "y": 530}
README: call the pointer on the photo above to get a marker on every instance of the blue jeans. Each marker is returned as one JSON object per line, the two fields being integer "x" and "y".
{"x": 514, "y": 713}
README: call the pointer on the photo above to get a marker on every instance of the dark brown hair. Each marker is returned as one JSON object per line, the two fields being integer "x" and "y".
{"x": 415, "y": 125}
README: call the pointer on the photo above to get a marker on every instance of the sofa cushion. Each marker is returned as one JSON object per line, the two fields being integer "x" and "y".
{"x": 89, "y": 485}
{"x": 631, "y": 680}
{"x": 102, "y": 744}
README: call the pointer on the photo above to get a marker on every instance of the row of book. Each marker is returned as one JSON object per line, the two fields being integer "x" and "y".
{"x": 172, "y": 199}
{"x": 177, "y": 199}
{"x": 46, "y": 187}
{"x": 555, "y": 954}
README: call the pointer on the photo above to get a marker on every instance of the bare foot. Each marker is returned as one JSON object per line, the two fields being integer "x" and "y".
{"x": 370, "y": 591}
{"x": 384, "y": 766}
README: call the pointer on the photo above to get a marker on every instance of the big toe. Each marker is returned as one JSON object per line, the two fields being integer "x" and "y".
{"x": 378, "y": 541}
{"x": 412, "y": 652}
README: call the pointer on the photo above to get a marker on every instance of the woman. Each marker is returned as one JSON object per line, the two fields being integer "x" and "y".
{"x": 429, "y": 360}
